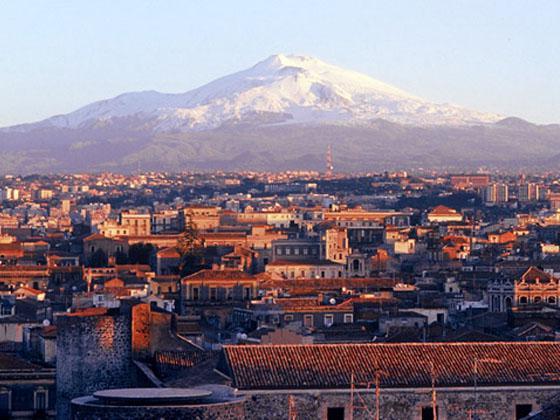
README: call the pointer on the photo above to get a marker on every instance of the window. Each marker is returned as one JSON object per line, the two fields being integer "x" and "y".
{"x": 348, "y": 318}
{"x": 537, "y": 299}
{"x": 288, "y": 318}
{"x": 229, "y": 293}
{"x": 428, "y": 412}
{"x": 5, "y": 403}
{"x": 308, "y": 321}
{"x": 523, "y": 300}
{"x": 551, "y": 299}
{"x": 195, "y": 293}
{"x": 322, "y": 274}
{"x": 40, "y": 400}
{"x": 213, "y": 293}
{"x": 247, "y": 293}
{"x": 328, "y": 320}
{"x": 522, "y": 410}
{"x": 335, "y": 413}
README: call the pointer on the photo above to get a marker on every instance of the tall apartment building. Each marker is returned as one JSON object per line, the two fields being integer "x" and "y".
{"x": 529, "y": 192}
{"x": 496, "y": 193}
{"x": 554, "y": 200}
{"x": 9, "y": 194}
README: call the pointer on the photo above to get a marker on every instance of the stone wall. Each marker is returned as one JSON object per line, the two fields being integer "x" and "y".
{"x": 230, "y": 410}
{"x": 93, "y": 353}
{"x": 396, "y": 404}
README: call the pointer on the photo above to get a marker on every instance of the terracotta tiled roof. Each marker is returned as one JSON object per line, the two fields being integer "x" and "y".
{"x": 443, "y": 210}
{"x": 228, "y": 274}
{"x": 534, "y": 273}
{"x": 168, "y": 253}
{"x": 312, "y": 305}
{"x": 13, "y": 249}
{"x": 88, "y": 312}
{"x": 402, "y": 365}
{"x": 332, "y": 284}
{"x": 30, "y": 290}
{"x": 302, "y": 262}
{"x": 94, "y": 237}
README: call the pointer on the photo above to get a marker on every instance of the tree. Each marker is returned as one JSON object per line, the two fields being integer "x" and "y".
{"x": 121, "y": 258}
{"x": 189, "y": 238}
{"x": 98, "y": 259}
{"x": 140, "y": 253}
{"x": 189, "y": 248}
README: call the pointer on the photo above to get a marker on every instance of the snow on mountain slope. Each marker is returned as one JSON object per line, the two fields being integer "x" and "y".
{"x": 280, "y": 89}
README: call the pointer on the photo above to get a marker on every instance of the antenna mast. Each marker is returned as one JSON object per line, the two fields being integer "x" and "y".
{"x": 329, "y": 160}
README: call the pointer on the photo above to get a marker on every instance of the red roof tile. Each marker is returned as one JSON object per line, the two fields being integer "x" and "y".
{"x": 443, "y": 210}
{"x": 402, "y": 365}
{"x": 226, "y": 274}
{"x": 533, "y": 274}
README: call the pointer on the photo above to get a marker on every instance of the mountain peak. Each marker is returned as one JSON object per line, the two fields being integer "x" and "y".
{"x": 278, "y": 61}
{"x": 283, "y": 88}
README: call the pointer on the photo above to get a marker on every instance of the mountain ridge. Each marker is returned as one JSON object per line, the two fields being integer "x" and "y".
{"x": 282, "y": 113}
{"x": 302, "y": 87}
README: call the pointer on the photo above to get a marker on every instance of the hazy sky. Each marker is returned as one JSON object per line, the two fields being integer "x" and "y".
{"x": 498, "y": 56}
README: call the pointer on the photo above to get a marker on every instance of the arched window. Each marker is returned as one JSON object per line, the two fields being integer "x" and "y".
{"x": 356, "y": 264}
{"x": 523, "y": 300}
{"x": 537, "y": 299}
{"x": 552, "y": 300}
{"x": 507, "y": 302}
{"x": 497, "y": 304}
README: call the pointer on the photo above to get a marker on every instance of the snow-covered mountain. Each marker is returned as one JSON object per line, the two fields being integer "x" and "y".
{"x": 281, "y": 114}
{"x": 282, "y": 89}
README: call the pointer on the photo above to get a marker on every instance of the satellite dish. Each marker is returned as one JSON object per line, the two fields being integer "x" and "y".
{"x": 46, "y": 323}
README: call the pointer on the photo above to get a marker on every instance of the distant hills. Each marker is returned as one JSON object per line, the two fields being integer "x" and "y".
{"x": 280, "y": 114}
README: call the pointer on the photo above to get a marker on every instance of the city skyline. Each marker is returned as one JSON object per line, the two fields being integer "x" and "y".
{"x": 283, "y": 210}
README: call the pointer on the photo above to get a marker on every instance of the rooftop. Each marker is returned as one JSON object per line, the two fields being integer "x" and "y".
{"x": 400, "y": 365}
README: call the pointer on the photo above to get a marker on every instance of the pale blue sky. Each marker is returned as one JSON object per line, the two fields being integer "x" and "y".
{"x": 497, "y": 56}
